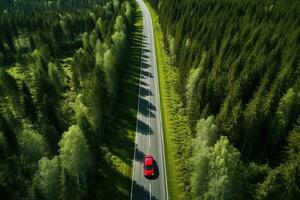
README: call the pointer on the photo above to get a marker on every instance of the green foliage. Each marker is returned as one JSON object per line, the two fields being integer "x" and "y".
{"x": 239, "y": 61}
{"x": 74, "y": 153}
{"x": 69, "y": 187}
{"x": 120, "y": 25}
{"x": 54, "y": 74}
{"x": 46, "y": 180}
{"x": 55, "y": 77}
{"x": 11, "y": 90}
{"x": 286, "y": 114}
{"x": 195, "y": 89}
{"x": 32, "y": 147}
{"x": 206, "y": 131}
{"x": 98, "y": 101}
{"x": 218, "y": 171}
{"x": 110, "y": 70}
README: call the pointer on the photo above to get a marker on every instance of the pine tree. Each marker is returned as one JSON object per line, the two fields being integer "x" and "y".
{"x": 10, "y": 86}
{"x": 98, "y": 101}
{"x": 109, "y": 66}
{"x": 55, "y": 77}
{"x": 285, "y": 116}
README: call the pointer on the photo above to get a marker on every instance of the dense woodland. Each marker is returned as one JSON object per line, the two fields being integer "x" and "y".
{"x": 60, "y": 66}
{"x": 239, "y": 78}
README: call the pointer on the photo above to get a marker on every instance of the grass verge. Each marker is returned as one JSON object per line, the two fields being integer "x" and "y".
{"x": 175, "y": 122}
{"x": 114, "y": 174}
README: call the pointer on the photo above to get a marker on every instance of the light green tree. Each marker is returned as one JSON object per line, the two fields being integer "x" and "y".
{"x": 32, "y": 147}
{"x": 120, "y": 25}
{"x": 93, "y": 39}
{"x": 217, "y": 170}
{"x": 86, "y": 41}
{"x": 206, "y": 137}
{"x": 225, "y": 172}
{"x": 100, "y": 27}
{"x": 101, "y": 48}
{"x": 11, "y": 90}
{"x": 46, "y": 179}
{"x": 207, "y": 131}
{"x": 55, "y": 76}
{"x": 195, "y": 89}
{"x": 110, "y": 70}
{"x": 286, "y": 114}
{"x": 74, "y": 154}
{"x": 128, "y": 11}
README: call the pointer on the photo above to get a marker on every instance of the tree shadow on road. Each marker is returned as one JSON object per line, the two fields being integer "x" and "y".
{"x": 141, "y": 193}
{"x": 146, "y": 108}
{"x": 143, "y": 128}
{"x": 139, "y": 155}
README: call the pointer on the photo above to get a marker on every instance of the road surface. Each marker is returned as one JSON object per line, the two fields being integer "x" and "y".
{"x": 149, "y": 132}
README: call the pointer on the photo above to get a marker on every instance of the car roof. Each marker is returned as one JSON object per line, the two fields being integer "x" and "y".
{"x": 148, "y": 160}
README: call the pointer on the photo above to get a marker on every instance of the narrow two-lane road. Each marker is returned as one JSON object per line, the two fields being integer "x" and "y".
{"x": 149, "y": 133}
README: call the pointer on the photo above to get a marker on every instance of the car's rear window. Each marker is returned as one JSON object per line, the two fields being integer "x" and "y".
{"x": 148, "y": 167}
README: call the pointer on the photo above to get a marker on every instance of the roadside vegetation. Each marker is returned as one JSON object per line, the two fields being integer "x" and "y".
{"x": 66, "y": 84}
{"x": 236, "y": 72}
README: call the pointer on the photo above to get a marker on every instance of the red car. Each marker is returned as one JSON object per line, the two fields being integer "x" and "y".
{"x": 149, "y": 167}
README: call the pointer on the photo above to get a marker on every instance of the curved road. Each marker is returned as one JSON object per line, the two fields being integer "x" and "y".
{"x": 149, "y": 132}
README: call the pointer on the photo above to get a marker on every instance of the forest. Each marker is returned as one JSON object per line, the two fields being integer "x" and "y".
{"x": 239, "y": 81}
{"x": 60, "y": 71}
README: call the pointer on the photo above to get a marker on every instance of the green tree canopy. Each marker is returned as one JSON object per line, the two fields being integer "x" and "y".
{"x": 32, "y": 146}
{"x": 74, "y": 153}
{"x": 46, "y": 179}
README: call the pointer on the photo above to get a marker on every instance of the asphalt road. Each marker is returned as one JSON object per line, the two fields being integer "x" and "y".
{"x": 149, "y": 132}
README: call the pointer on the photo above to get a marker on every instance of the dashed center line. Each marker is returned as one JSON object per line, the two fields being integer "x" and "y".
{"x": 150, "y": 191}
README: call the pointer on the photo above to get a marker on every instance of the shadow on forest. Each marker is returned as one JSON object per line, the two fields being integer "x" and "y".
{"x": 108, "y": 182}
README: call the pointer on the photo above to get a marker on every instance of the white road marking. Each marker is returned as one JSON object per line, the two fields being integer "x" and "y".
{"x": 149, "y": 140}
{"x": 149, "y": 108}
{"x": 150, "y": 191}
